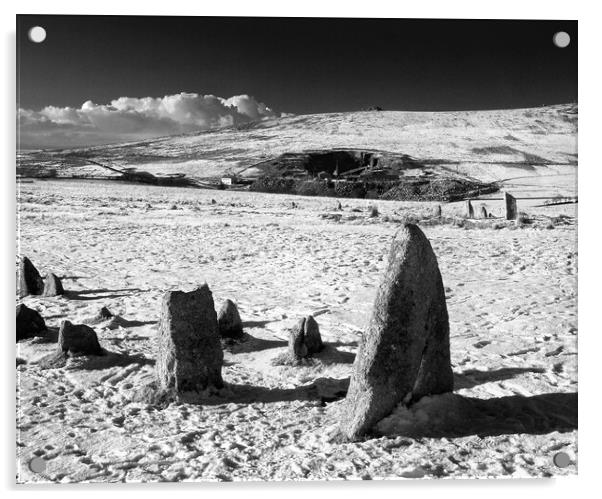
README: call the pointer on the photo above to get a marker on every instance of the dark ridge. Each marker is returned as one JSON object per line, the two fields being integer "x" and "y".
{"x": 353, "y": 173}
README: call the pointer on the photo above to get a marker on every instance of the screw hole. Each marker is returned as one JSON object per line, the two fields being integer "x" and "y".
{"x": 37, "y": 34}
{"x": 561, "y": 39}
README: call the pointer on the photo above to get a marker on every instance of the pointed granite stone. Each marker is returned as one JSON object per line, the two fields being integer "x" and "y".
{"x": 29, "y": 279}
{"x": 405, "y": 352}
{"x": 53, "y": 286}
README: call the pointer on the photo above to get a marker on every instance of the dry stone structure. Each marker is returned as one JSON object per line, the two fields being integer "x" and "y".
{"x": 404, "y": 354}
{"x": 29, "y": 279}
{"x": 189, "y": 354}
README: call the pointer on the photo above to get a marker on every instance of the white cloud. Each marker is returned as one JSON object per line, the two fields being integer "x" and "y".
{"x": 133, "y": 118}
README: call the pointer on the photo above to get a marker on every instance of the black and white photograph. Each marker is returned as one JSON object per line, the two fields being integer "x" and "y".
{"x": 295, "y": 248}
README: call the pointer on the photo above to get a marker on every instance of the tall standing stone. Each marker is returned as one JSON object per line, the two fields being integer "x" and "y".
{"x": 484, "y": 213}
{"x": 29, "y": 279}
{"x": 53, "y": 286}
{"x": 404, "y": 354}
{"x": 189, "y": 354}
{"x": 510, "y": 202}
{"x": 469, "y": 209}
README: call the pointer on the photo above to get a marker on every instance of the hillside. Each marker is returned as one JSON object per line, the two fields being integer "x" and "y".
{"x": 538, "y": 143}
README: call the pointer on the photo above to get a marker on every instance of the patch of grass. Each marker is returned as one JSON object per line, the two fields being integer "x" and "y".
{"x": 522, "y": 219}
{"x": 459, "y": 222}
{"x": 409, "y": 218}
{"x": 151, "y": 394}
{"x": 286, "y": 359}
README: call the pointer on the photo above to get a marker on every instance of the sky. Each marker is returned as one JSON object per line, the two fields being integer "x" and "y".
{"x": 101, "y": 79}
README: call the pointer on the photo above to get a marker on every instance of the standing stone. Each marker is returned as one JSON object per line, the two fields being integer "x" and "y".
{"x": 484, "y": 213}
{"x": 53, "y": 286}
{"x": 189, "y": 354}
{"x": 438, "y": 211}
{"x": 228, "y": 320}
{"x": 29, "y": 280}
{"x": 296, "y": 341}
{"x": 404, "y": 354}
{"x": 313, "y": 340}
{"x": 29, "y": 323}
{"x": 104, "y": 314}
{"x": 304, "y": 338}
{"x": 78, "y": 339}
{"x": 510, "y": 202}
{"x": 469, "y": 209}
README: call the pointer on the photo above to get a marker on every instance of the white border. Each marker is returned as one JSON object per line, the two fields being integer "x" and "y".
{"x": 590, "y": 228}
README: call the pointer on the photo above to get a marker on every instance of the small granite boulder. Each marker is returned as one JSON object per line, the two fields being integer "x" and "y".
{"x": 29, "y": 279}
{"x": 297, "y": 348}
{"x": 313, "y": 340}
{"x": 104, "y": 314}
{"x": 29, "y": 323}
{"x": 228, "y": 320}
{"x": 305, "y": 339}
{"x": 78, "y": 339}
{"x": 53, "y": 286}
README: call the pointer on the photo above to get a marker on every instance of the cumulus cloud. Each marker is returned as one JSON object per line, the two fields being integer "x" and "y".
{"x": 133, "y": 118}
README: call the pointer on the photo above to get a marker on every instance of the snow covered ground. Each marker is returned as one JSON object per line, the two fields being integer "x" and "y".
{"x": 511, "y": 295}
